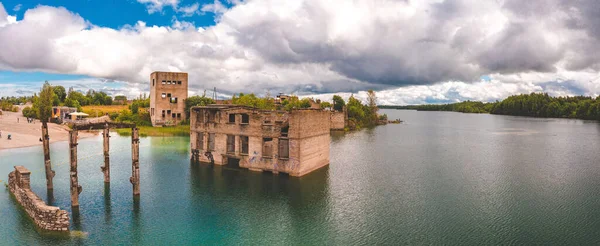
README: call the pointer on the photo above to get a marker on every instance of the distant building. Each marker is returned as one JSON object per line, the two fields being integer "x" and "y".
{"x": 294, "y": 142}
{"x": 168, "y": 92}
{"x": 61, "y": 113}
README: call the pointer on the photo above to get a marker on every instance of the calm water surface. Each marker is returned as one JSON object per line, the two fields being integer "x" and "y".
{"x": 439, "y": 178}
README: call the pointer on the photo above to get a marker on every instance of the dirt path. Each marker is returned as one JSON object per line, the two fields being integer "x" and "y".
{"x": 25, "y": 134}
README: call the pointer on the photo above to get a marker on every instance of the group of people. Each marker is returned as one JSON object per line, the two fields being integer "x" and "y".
{"x": 29, "y": 120}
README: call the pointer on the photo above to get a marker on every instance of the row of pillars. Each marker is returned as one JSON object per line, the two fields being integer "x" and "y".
{"x": 74, "y": 181}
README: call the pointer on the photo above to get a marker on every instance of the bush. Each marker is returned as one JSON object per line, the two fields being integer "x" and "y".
{"x": 29, "y": 112}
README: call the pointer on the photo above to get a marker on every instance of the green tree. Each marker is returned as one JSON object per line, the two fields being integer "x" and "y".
{"x": 43, "y": 104}
{"x": 338, "y": 103}
{"x": 60, "y": 93}
{"x": 196, "y": 101}
{"x": 325, "y": 105}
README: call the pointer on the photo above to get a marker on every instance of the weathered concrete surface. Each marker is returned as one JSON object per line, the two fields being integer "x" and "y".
{"x": 106, "y": 168}
{"x": 135, "y": 161}
{"x": 74, "y": 179}
{"x": 47, "y": 164}
{"x": 338, "y": 120}
{"x": 306, "y": 131}
{"x": 45, "y": 217}
{"x": 174, "y": 86}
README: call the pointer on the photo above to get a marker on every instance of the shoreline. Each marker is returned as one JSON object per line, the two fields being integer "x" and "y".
{"x": 24, "y": 134}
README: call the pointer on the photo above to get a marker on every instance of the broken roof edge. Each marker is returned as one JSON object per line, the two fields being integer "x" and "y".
{"x": 168, "y": 72}
{"x": 236, "y": 106}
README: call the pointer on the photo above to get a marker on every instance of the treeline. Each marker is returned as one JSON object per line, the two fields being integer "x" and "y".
{"x": 533, "y": 105}
{"x": 542, "y": 105}
{"x": 463, "y": 107}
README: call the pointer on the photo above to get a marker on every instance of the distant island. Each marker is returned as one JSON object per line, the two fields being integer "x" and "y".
{"x": 534, "y": 105}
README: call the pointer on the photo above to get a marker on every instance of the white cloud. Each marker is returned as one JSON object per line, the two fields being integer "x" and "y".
{"x": 157, "y": 6}
{"x": 189, "y": 10}
{"x": 17, "y": 7}
{"x": 410, "y": 51}
{"x": 216, "y": 7}
{"x": 154, "y": 6}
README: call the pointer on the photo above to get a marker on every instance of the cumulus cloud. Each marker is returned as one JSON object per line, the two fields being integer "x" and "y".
{"x": 217, "y": 7}
{"x": 157, "y": 6}
{"x": 189, "y": 10}
{"x": 419, "y": 51}
{"x": 154, "y": 6}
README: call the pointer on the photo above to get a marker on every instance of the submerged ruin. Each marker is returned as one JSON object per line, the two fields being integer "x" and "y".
{"x": 295, "y": 142}
{"x": 48, "y": 218}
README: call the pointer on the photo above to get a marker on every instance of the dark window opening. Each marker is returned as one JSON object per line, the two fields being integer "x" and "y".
{"x": 163, "y": 114}
{"x": 200, "y": 140}
{"x": 284, "y": 131}
{"x": 211, "y": 141}
{"x": 168, "y": 111}
{"x": 173, "y": 115}
{"x": 179, "y": 82}
{"x": 178, "y": 115}
{"x": 164, "y": 82}
{"x": 200, "y": 116}
{"x": 245, "y": 119}
{"x": 173, "y": 100}
{"x": 284, "y": 148}
{"x": 211, "y": 116}
{"x": 230, "y": 144}
{"x": 267, "y": 150}
{"x": 231, "y": 118}
{"x": 152, "y": 82}
{"x": 244, "y": 145}
{"x": 168, "y": 94}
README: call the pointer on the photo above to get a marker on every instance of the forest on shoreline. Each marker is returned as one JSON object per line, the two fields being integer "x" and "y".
{"x": 534, "y": 105}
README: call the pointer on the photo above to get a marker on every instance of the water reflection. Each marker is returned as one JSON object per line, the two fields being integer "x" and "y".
{"x": 107, "y": 203}
{"x": 50, "y": 198}
{"x": 295, "y": 205}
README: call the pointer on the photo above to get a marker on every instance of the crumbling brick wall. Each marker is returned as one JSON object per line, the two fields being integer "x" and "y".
{"x": 45, "y": 217}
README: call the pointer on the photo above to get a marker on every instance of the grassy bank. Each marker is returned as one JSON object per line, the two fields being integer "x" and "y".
{"x": 145, "y": 131}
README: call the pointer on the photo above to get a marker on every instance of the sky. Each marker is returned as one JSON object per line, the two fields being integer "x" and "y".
{"x": 409, "y": 51}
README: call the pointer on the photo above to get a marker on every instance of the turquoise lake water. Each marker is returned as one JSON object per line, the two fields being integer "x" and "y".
{"x": 439, "y": 178}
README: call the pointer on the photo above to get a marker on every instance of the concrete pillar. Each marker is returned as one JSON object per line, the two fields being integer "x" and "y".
{"x": 106, "y": 168}
{"x": 135, "y": 161}
{"x": 75, "y": 187}
{"x": 48, "y": 166}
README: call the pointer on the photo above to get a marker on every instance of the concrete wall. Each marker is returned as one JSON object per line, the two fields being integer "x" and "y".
{"x": 158, "y": 103}
{"x": 308, "y": 136}
{"x": 45, "y": 217}
{"x": 338, "y": 120}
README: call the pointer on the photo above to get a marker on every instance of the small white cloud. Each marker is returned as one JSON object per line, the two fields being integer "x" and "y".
{"x": 217, "y": 7}
{"x": 17, "y": 7}
{"x": 154, "y": 6}
{"x": 189, "y": 10}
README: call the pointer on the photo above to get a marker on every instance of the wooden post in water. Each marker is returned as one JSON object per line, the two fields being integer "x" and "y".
{"x": 48, "y": 166}
{"x": 75, "y": 187}
{"x": 135, "y": 164}
{"x": 106, "y": 168}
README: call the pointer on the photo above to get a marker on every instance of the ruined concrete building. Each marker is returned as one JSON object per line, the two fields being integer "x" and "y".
{"x": 168, "y": 92}
{"x": 294, "y": 142}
